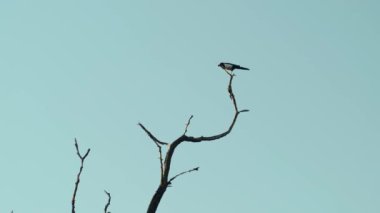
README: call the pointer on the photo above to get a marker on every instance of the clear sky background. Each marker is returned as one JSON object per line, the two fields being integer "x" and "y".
{"x": 94, "y": 69}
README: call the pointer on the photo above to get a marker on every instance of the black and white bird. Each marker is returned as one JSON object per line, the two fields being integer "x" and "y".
{"x": 231, "y": 67}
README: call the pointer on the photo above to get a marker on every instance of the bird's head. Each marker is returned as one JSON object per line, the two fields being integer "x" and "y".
{"x": 220, "y": 65}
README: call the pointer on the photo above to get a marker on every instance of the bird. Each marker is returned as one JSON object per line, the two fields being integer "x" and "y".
{"x": 231, "y": 67}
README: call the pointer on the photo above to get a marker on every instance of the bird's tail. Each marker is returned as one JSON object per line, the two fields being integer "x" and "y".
{"x": 242, "y": 68}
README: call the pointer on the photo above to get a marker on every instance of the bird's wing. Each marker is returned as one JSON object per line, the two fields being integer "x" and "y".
{"x": 229, "y": 66}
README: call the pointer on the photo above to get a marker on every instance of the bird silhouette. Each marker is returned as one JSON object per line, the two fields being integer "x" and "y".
{"x": 231, "y": 67}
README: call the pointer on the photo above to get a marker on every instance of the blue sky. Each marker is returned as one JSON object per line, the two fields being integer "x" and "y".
{"x": 94, "y": 69}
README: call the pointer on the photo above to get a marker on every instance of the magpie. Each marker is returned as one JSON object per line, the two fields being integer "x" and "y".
{"x": 231, "y": 67}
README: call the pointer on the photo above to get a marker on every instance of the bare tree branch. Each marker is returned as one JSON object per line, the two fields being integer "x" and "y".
{"x": 161, "y": 160}
{"x": 152, "y": 136}
{"x": 188, "y": 124}
{"x": 218, "y": 136}
{"x": 182, "y": 173}
{"x": 214, "y": 137}
{"x": 108, "y": 202}
{"x": 82, "y": 158}
{"x": 165, "y": 166}
{"x": 158, "y": 144}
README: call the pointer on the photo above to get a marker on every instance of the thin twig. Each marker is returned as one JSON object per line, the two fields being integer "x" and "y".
{"x": 188, "y": 123}
{"x": 182, "y": 173}
{"x": 108, "y": 202}
{"x": 82, "y": 158}
{"x": 152, "y": 136}
{"x": 161, "y": 161}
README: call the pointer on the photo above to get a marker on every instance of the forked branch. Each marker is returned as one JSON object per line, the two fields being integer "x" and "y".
{"x": 158, "y": 144}
{"x": 82, "y": 158}
{"x": 165, "y": 164}
{"x": 221, "y": 135}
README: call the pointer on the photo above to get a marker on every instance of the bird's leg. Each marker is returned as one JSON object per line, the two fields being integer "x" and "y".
{"x": 229, "y": 73}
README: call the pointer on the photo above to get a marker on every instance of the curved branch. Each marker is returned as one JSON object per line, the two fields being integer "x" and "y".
{"x": 182, "y": 173}
{"x": 165, "y": 167}
{"x": 221, "y": 135}
{"x": 214, "y": 137}
{"x": 108, "y": 202}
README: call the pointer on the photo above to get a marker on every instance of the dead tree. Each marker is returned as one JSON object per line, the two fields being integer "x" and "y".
{"x": 165, "y": 164}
